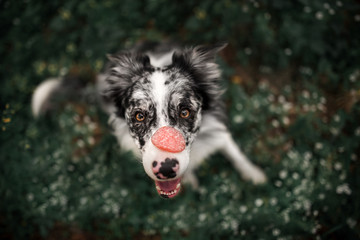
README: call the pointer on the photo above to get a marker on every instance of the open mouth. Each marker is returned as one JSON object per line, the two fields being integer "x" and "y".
{"x": 168, "y": 189}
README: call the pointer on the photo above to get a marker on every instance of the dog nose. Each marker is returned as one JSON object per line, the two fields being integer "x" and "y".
{"x": 165, "y": 169}
{"x": 168, "y": 139}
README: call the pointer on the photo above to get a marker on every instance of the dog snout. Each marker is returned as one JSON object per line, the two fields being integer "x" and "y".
{"x": 168, "y": 139}
{"x": 166, "y": 169}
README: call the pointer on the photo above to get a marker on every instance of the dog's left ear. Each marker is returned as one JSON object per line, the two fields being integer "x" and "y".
{"x": 199, "y": 63}
{"x": 198, "y": 56}
{"x": 205, "y": 53}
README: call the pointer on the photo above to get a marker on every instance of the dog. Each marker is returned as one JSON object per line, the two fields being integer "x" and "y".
{"x": 164, "y": 104}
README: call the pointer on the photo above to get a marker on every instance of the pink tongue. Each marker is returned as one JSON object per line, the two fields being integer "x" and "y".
{"x": 168, "y": 186}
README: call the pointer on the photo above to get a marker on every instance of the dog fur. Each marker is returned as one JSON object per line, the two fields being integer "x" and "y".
{"x": 169, "y": 88}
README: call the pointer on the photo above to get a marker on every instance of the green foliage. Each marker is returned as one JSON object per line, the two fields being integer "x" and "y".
{"x": 293, "y": 79}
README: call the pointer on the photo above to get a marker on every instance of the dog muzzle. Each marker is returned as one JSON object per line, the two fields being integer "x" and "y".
{"x": 168, "y": 160}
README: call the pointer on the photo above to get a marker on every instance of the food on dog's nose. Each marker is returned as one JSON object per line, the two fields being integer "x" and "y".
{"x": 168, "y": 139}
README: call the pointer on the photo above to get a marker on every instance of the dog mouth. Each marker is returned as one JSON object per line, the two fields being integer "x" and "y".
{"x": 168, "y": 189}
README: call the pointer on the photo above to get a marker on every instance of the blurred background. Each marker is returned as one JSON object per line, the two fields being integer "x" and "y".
{"x": 292, "y": 70}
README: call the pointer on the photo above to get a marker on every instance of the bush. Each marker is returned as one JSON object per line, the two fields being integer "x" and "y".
{"x": 292, "y": 73}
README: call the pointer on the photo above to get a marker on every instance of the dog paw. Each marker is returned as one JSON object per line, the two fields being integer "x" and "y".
{"x": 255, "y": 175}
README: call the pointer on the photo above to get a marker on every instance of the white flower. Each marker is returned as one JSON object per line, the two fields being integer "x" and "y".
{"x": 278, "y": 183}
{"x": 264, "y": 85}
{"x": 30, "y": 197}
{"x": 239, "y": 106}
{"x": 259, "y": 202}
{"x": 71, "y": 168}
{"x": 319, "y": 15}
{"x": 295, "y": 176}
{"x": 238, "y": 119}
{"x": 281, "y": 99}
{"x": 283, "y": 174}
{"x": 307, "y": 156}
{"x": 357, "y": 18}
{"x": 288, "y": 51}
{"x": 248, "y": 51}
{"x": 256, "y": 104}
{"x": 276, "y": 232}
{"x": 306, "y": 94}
{"x": 286, "y": 121}
{"x": 321, "y": 107}
{"x": 319, "y": 146}
{"x": 343, "y": 189}
{"x": 342, "y": 177}
{"x": 357, "y": 132}
{"x": 338, "y": 166}
{"x": 202, "y": 217}
{"x": 307, "y": 9}
{"x": 124, "y": 192}
{"x": 271, "y": 98}
{"x": 243, "y": 209}
{"x": 334, "y": 131}
{"x": 326, "y": 5}
{"x": 83, "y": 200}
{"x": 275, "y": 123}
{"x": 351, "y": 222}
{"x": 337, "y": 118}
{"x": 273, "y": 201}
{"x": 80, "y": 143}
{"x": 323, "y": 100}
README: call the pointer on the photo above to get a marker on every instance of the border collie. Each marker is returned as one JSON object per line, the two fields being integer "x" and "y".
{"x": 164, "y": 104}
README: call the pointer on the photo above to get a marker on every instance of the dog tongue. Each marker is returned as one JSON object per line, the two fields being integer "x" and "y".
{"x": 168, "y": 186}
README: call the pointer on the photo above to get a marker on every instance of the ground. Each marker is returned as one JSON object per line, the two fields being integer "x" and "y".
{"x": 292, "y": 76}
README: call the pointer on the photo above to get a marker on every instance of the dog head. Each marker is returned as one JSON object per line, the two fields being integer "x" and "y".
{"x": 163, "y": 107}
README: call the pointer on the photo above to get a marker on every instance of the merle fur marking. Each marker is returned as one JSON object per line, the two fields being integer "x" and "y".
{"x": 159, "y": 80}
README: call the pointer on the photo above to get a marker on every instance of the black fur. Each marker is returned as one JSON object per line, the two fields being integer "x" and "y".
{"x": 192, "y": 81}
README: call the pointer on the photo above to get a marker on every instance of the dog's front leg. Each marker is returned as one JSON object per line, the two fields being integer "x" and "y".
{"x": 243, "y": 165}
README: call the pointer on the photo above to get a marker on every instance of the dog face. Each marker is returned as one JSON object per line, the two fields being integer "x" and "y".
{"x": 163, "y": 107}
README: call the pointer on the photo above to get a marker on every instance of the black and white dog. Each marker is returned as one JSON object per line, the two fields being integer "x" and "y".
{"x": 165, "y": 105}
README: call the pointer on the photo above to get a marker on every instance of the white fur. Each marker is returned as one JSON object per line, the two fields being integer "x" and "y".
{"x": 159, "y": 92}
{"x": 122, "y": 134}
{"x": 213, "y": 135}
{"x": 162, "y": 60}
{"x": 42, "y": 94}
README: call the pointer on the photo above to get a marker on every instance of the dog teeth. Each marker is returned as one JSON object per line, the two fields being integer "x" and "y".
{"x": 169, "y": 193}
{"x": 178, "y": 186}
{"x": 157, "y": 187}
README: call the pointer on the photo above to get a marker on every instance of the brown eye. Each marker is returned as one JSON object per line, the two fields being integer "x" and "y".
{"x": 184, "y": 113}
{"x": 139, "y": 116}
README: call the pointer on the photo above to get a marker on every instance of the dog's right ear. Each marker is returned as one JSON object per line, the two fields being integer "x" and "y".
{"x": 125, "y": 68}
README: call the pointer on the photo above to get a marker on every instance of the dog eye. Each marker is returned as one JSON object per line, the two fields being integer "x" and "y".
{"x": 184, "y": 113}
{"x": 139, "y": 116}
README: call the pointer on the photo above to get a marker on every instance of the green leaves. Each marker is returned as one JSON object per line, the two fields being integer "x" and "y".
{"x": 292, "y": 73}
